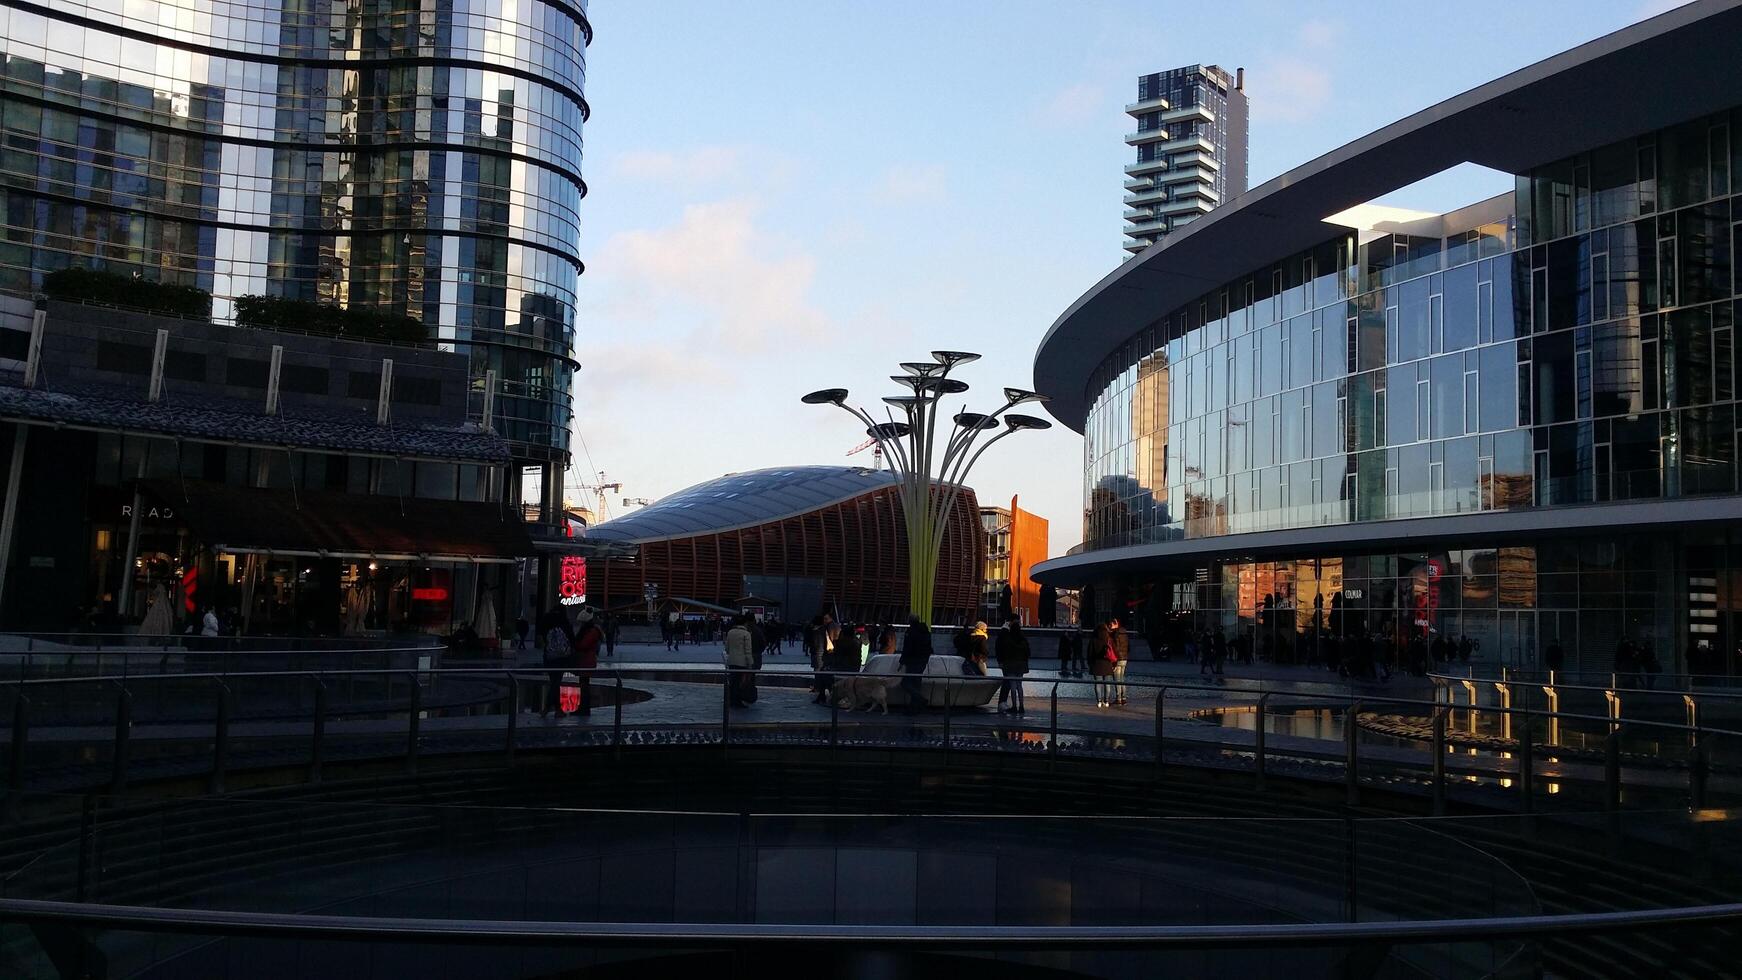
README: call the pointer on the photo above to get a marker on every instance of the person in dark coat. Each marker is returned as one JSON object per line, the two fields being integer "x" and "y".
{"x": 589, "y": 637}
{"x": 1102, "y": 657}
{"x": 1013, "y": 663}
{"x": 1121, "y": 653}
{"x": 915, "y": 654}
{"x": 559, "y": 653}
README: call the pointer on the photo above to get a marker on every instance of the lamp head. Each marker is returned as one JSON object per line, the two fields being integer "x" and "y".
{"x": 1016, "y": 396}
{"x": 924, "y": 369}
{"x": 826, "y": 396}
{"x": 1016, "y": 422}
{"x": 942, "y": 386}
{"x": 889, "y": 430}
{"x": 952, "y": 358}
{"x": 975, "y": 420}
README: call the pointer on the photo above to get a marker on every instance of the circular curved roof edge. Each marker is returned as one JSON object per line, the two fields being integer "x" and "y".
{"x": 1670, "y": 68}
{"x": 856, "y": 481}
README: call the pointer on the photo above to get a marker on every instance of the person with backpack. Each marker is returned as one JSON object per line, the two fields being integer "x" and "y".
{"x": 559, "y": 654}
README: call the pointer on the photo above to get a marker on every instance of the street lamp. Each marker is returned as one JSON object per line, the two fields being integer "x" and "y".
{"x": 930, "y": 476}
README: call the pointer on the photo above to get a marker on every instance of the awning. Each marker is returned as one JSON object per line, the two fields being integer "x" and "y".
{"x": 325, "y": 524}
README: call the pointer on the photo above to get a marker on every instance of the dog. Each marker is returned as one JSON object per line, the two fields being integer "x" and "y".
{"x": 862, "y": 691}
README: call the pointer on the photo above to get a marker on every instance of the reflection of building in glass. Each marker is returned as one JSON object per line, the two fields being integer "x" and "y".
{"x": 421, "y": 160}
{"x": 808, "y": 537}
{"x": 1191, "y": 149}
{"x": 1513, "y": 422}
{"x": 1015, "y": 541}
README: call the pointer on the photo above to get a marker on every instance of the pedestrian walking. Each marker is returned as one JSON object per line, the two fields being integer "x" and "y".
{"x": 1012, "y": 655}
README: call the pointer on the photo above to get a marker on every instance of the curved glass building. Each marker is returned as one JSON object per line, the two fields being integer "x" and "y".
{"x": 415, "y": 156}
{"x": 1308, "y": 418}
{"x": 808, "y": 537}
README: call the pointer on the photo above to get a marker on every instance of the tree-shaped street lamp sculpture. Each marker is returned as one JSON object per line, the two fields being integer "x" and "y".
{"x": 930, "y": 476}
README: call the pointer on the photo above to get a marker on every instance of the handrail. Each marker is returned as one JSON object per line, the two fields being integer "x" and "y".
{"x": 1542, "y": 679}
{"x": 135, "y": 918}
{"x": 402, "y": 698}
{"x": 1366, "y": 698}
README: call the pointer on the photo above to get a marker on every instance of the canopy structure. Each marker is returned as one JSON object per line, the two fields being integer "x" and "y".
{"x": 322, "y": 524}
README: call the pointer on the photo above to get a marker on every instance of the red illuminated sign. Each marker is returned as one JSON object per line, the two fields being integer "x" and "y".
{"x": 571, "y": 589}
{"x": 190, "y": 585}
{"x": 569, "y": 694}
{"x": 433, "y": 593}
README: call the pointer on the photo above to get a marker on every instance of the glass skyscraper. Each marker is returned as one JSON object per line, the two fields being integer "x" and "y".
{"x": 414, "y": 156}
{"x": 1191, "y": 149}
{"x": 1514, "y": 422}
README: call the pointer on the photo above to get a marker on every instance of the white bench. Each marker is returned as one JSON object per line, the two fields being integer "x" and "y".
{"x": 942, "y": 683}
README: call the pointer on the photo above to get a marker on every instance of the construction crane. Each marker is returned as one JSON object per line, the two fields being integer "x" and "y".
{"x": 876, "y": 453}
{"x": 598, "y": 490}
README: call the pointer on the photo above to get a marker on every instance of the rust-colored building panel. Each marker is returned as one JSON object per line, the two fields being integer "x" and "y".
{"x": 854, "y": 544}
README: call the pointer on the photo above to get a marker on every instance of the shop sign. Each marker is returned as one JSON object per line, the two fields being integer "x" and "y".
{"x": 150, "y": 512}
{"x": 569, "y": 694}
{"x": 571, "y": 589}
{"x": 1353, "y": 593}
{"x": 41, "y": 561}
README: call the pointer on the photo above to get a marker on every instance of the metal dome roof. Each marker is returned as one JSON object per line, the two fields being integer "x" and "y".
{"x": 743, "y": 500}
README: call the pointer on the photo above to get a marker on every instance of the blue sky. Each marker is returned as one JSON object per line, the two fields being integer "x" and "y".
{"x": 796, "y": 194}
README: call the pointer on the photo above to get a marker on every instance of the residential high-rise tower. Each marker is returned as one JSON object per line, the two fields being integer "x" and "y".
{"x": 1191, "y": 149}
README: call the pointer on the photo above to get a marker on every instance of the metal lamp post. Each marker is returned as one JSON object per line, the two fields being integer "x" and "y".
{"x": 930, "y": 475}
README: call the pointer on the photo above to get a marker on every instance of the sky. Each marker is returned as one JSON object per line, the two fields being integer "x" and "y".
{"x": 787, "y": 195}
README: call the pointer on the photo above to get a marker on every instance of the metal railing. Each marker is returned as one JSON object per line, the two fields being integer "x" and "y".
{"x": 85, "y": 730}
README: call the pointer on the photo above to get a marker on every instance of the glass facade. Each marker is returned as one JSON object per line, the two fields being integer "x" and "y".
{"x": 417, "y": 156}
{"x": 1569, "y": 343}
{"x": 1576, "y": 348}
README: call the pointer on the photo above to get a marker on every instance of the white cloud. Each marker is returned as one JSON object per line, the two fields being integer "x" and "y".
{"x": 1290, "y": 89}
{"x": 906, "y": 183}
{"x": 715, "y": 276}
{"x": 700, "y": 164}
{"x": 1072, "y": 105}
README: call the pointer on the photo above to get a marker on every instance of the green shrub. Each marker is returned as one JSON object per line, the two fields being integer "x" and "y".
{"x": 81, "y": 285}
{"x": 280, "y": 313}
